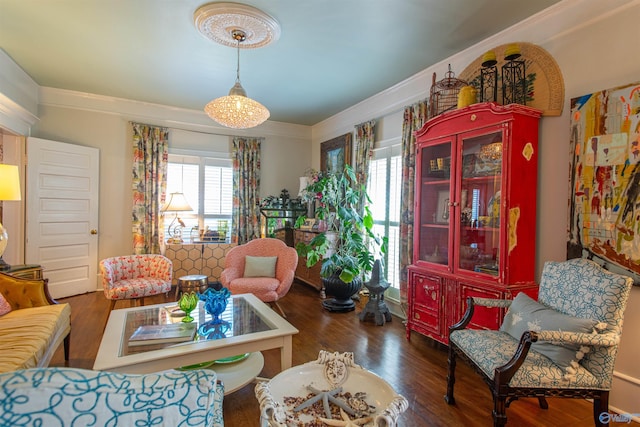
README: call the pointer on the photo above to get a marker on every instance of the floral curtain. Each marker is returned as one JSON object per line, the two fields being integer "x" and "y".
{"x": 150, "y": 158}
{"x": 246, "y": 189}
{"x": 364, "y": 149}
{"x": 414, "y": 117}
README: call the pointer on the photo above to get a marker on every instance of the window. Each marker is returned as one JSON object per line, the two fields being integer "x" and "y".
{"x": 207, "y": 184}
{"x": 384, "y": 189}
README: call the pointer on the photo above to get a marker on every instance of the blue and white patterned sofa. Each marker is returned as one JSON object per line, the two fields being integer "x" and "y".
{"x": 579, "y": 315}
{"x": 52, "y": 397}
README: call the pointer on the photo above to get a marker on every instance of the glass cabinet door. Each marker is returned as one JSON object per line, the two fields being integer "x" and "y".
{"x": 435, "y": 202}
{"x": 479, "y": 201}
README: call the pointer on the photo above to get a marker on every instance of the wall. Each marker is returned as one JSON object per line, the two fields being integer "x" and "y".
{"x": 593, "y": 43}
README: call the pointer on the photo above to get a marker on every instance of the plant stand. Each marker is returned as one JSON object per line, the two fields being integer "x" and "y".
{"x": 341, "y": 293}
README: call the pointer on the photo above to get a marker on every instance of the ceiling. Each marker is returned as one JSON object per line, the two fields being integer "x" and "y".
{"x": 331, "y": 54}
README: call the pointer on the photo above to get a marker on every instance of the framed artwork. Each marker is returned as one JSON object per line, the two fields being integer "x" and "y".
{"x": 335, "y": 153}
{"x": 604, "y": 183}
{"x": 442, "y": 210}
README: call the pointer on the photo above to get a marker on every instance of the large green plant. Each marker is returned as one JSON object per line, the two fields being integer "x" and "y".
{"x": 349, "y": 246}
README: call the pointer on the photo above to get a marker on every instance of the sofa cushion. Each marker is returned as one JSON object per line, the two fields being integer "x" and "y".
{"x": 44, "y": 396}
{"x": 26, "y": 335}
{"x": 260, "y": 266}
{"x": 5, "y": 307}
{"x": 525, "y": 314}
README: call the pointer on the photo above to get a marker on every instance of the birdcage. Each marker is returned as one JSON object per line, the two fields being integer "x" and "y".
{"x": 444, "y": 93}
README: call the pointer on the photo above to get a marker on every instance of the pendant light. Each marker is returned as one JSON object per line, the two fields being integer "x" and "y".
{"x": 231, "y": 24}
{"x": 237, "y": 110}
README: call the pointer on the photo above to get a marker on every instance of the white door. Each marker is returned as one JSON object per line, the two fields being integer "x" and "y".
{"x": 62, "y": 214}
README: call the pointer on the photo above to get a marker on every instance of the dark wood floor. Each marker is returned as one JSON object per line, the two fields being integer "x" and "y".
{"x": 416, "y": 368}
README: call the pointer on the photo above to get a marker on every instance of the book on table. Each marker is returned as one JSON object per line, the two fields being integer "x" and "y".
{"x": 162, "y": 334}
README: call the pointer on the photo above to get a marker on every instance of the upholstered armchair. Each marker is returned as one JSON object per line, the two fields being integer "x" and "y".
{"x": 70, "y": 396}
{"x": 263, "y": 267}
{"x": 135, "y": 277}
{"x": 563, "y": 345}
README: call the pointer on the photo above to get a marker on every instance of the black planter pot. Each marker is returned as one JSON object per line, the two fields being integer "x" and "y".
{"x": 341, "y": 293}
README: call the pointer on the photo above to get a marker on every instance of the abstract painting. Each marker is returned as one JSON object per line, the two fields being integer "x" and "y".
{"x": 604, "y": 200}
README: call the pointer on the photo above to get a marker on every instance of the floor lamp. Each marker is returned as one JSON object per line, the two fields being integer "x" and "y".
{"x": 9, "y": 190}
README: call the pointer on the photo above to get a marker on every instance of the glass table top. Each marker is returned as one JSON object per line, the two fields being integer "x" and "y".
{"x": 239, "y": 318}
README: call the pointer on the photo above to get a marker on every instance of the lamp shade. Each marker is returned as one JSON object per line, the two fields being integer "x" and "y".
{"x": 177, "y": 203}
{"x": 9, "y": 182}
{"x": 237, "y": 111}
{"x": 304, "y": 183}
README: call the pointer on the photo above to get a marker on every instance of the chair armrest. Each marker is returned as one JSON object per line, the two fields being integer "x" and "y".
{"x": 471, "y": 303}
{"x": 25, "y": 293}
{"x": 229, "y": 274}
{"x": 580, "y": 338}
{"x": 491, "y": 302}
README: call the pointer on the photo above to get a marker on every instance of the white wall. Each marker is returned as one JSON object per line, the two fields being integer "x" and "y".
{"x": 595, "y": 45}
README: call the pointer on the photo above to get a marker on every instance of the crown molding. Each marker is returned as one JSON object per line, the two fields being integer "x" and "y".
{"x": 162, "y": 115}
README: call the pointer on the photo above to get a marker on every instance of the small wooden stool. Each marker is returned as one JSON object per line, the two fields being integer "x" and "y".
{"x": 193, "y": 283}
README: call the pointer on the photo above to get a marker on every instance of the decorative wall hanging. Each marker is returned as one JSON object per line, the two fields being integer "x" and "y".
{"x": 545, "y": 85}
{"x": 604, "y": 197}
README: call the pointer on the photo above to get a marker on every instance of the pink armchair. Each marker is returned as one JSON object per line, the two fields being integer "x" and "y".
{"x": 135, "y": 277}
{"x": 263, "y": 267}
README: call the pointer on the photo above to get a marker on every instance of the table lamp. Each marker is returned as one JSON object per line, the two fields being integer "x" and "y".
{"x": 9, "y": 190}
{"x": 177, "y": 203}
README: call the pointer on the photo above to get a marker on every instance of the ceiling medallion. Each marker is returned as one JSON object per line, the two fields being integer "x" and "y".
{"x": 218, "y": 21}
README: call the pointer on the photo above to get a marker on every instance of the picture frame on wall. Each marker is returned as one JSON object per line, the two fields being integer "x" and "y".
{"x": 335, "y": 153}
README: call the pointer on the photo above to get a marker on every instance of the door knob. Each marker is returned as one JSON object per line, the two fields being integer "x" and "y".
{"x": 94, "y": 231}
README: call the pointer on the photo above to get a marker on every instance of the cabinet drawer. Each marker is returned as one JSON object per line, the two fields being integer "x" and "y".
{"x": 427, "y": 291}
{"x": 427, "y": 319}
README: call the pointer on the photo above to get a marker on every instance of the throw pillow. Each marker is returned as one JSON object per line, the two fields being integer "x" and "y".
{"x": 260, "y": 266}
{"x": 5, "y": 307}
{"x": 525, "y": 314}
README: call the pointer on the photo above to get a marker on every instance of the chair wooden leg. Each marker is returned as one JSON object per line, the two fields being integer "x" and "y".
{"x": 600, "y": 406}
{"x": 451, "y": 376}
{"x": 543, "y": 402}
{"x": 112, "y": 305}
{"x": 142, "y": 301}
{"x": 499, "y": 410}
{"x": 67, "y": 346}
{"x": 279, "y": 308}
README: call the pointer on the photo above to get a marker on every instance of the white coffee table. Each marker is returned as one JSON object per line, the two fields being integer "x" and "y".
{"x": 251, "y": 326}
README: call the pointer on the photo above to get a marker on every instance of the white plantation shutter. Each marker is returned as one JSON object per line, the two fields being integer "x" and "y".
{"x": 208, "y": 187}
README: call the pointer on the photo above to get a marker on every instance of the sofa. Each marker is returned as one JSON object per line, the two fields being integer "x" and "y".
{"x": 32, "y": 324}
{"x": 55, "y": 397}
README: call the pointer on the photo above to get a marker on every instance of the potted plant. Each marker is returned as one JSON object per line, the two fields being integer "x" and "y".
{"x": 346, "y": 244}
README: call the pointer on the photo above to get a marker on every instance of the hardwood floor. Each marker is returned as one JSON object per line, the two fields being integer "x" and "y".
{"x": 416, "y": 368}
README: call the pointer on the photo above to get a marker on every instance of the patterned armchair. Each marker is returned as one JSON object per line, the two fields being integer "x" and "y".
{"x": 263, "y": 267}
{"x": 69, "y": 396}
{"x": 563, "y": 345}
{"x": 135, "y": 277}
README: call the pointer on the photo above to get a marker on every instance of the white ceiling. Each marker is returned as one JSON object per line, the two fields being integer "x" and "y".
{"x": 331, "y": 54}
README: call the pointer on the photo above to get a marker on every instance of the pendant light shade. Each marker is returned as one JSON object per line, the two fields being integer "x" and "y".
{"x": 231, "y": 24}
{"x": 236, "y": 110}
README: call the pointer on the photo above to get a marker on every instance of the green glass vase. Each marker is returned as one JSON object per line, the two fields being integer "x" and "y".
{"x": 188, "y": 302}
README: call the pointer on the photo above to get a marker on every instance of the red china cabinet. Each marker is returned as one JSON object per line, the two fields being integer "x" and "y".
{"x": 475, "y": 214}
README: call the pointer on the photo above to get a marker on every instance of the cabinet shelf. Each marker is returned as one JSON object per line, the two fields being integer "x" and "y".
{"x": 474, "y": 229}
